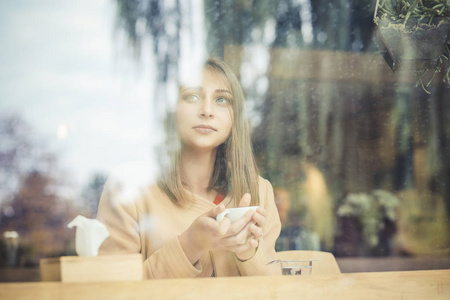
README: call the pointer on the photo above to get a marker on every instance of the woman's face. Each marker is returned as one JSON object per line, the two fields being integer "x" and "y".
{"x": 204, "y": 112}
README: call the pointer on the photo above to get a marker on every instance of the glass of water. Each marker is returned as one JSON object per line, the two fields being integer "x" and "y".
{"x": 296, "y": 267}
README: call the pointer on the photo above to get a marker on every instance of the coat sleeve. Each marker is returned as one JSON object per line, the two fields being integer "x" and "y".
{"x": 266, "y": 248}
{"x": 119, "y": 214}
{"x": 118, "y": 210}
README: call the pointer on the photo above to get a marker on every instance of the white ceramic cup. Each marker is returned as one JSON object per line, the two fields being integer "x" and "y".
{"x": 234, "y": 214}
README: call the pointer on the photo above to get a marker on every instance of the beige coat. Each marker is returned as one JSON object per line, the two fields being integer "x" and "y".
{"x": 148, "y": 222}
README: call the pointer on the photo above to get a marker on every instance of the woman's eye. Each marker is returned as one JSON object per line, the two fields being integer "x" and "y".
{"x": 191, "y": 97}
{"x": 222, "y": 100}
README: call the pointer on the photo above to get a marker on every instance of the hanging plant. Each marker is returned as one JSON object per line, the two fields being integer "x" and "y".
{"x": 413, "y": 34}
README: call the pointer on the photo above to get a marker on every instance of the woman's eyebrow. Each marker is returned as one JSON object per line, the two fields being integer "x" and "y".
{"x": 223, "y": 91}
{"x": 200, "y": 89}
{"x": 195, "y": 88}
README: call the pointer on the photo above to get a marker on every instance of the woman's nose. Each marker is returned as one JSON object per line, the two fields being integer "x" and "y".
{"x": 206, "y": 109}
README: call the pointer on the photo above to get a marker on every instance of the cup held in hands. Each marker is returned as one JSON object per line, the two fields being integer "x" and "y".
{"x": 234, "y": 214}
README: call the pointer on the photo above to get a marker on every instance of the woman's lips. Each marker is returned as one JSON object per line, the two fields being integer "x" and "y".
{"x": 204, "y": 128}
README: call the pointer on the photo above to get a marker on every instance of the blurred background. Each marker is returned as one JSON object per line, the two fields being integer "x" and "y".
{"x": 356, "y": 147}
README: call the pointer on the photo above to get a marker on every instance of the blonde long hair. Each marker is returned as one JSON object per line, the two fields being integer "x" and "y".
{"x": 235, "y": 171}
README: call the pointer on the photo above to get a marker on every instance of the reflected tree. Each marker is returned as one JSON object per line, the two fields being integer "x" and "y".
{"x": 92, "y": 192}
{"x": 31, "y": 203}
{"x": 15, "y": 149}
{"x": 39, "y": 216}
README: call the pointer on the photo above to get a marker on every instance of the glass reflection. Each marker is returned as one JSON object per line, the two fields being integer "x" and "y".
{"x": 358, "y": 155}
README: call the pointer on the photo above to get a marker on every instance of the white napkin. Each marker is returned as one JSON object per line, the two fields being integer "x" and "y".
{"x": 89, "y": 236}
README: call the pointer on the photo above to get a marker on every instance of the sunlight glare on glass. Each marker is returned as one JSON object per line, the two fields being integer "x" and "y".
{"x": 193, "y": 52}
{"x": 63, "y": 131}
{"x": 306, "y": 16}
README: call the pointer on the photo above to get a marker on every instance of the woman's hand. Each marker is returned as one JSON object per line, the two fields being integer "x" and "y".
{"x": 206, "y": 234}
{"x": 254, "y": 227}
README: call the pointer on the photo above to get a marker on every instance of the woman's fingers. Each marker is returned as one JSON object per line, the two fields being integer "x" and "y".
{"x": 238, "y": 238}
{"x": 261, "y": 211}
{"x": 256, "y": 231}
{"x": 212, "y": 213}
{"x": 250, "y": 231}
{"x": 237, "y": 226}
{"x": 249, "y": 244}
{"x": 243, "y": 235}
{"x": 259, "y": 217}
{"x": 224, "y": 226}
{"x": 245, "y": 200}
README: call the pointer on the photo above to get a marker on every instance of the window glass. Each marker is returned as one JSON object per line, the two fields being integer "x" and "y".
{"x": 349, "y": 126}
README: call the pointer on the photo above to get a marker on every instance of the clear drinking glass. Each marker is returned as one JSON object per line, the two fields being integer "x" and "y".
{"x": 296, "y": 267}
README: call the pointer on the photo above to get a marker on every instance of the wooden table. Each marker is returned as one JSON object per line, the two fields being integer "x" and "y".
{"x": 382, "y": 285}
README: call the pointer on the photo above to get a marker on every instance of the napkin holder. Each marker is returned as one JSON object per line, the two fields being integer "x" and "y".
{"x": 124, "y": 267}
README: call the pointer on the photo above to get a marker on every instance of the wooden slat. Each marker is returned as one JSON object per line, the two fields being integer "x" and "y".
{"x": 355, "y": 286}
{"x": 95, "y": 268}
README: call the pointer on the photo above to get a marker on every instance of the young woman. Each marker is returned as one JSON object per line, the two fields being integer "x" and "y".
{"x": 173, "y": 223}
